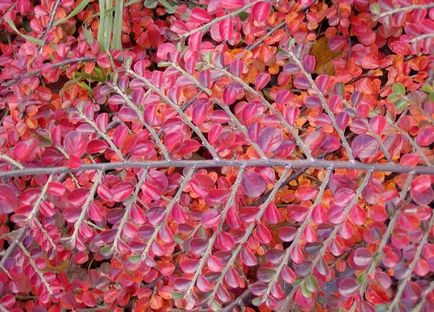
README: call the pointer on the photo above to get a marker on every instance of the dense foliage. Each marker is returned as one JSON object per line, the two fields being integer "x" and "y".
{"x": 224, "y": 155}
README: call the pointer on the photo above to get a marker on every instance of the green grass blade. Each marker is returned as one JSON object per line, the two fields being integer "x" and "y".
{"x": 27, "y": 37}
{"x": 102, "y": 22}
{"x": 117, "y": 25}
{"x": 73, "y": 13}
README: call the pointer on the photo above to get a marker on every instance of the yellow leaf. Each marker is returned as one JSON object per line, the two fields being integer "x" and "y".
{"x": 324, "y": 56}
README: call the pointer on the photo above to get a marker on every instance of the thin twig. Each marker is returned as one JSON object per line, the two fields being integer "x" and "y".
{"x": 50, "y": 24}
{"x": 181, "y": 114}
{"x": 226, "y": 109}
{"x": 167, "y": 212}
{"x": 148, "y": 127}
{"x": 51, "y": 66}
{"x": 300, "y": 163}
{"x": 326, "y": 243}
{"x": 425, "y": 293}
{"x": 216, "y": 20}
{"x": 85, "y": 207}
{"x": 213, "y": 238}
{"x": 11, "y": 161}
{"x": 22, "y": 231}
{"x": 35, "y": 267}
{"x": 300, "y": 231}
{"x": 324, "y": 103}
{"x": 392, "y": 223}
{"x": 422, "y": 37}
{"x": 413, "y": 263}
{"x": 44, "y": 231}
{"x": 102, "y": 134}
{"x": 405, "y": 9}
{"x": 248, "y": 233}
{"x": 128, "y": 208}
{"x": 278, "y": 114}
{"x": 238, "y": 302}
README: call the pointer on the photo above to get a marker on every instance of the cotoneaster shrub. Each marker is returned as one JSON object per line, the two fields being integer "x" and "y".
{"x": 216, "y": 155}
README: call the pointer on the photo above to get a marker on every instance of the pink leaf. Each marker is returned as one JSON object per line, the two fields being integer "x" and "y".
{"x": 210, "y": 218}
{"x": 260, "y": 11}
{"x": 348, "y": 286}
{"x": 362, "y": 257}
{"x": 253, "y": 184}
{"x": 364, "y": 146}
{"x": 270, "y": 139}
{"x": 200, "y": 15}
{"x": 75, "y": 143}
{"x": 8, "y": 199}
{"x": 226, "y": 29}
{"x": 231, "y": 4}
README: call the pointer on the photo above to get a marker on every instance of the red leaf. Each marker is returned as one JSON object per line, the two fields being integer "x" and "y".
{"x": 421, "y": 190}
{"x": 203, "y": 284}
{"x": 226, "y": 29}
{"x": 121, "y": 191}
{"x": 231, "y": 4}
{"x": 306, "y": 192}
{"x": 200, "y": 15}
{"x": 364, "y": 146}
{"x": 26, "y": 150}
{"x": 260, "y": 11}
{"x": 248, "y": 257}
{"x": 8, "y": 199}
{"x": 271, "y": 214}
{"x": 231, "y": 93}
{"x": 75, "y": 143}
{"x": 425, "y": 136}
{"x": 270, "y": 139}
{"x": 253, "y": 184}
{"x": 188, "y": 265}
{"x": 263, "y": 234}
{"x": 89, "y": 299}
{"x": 288, "y": 275}
{"x": 210, "y": 218}
{"x": 348, "y": 286}
{"x": 362, "y": 257}
{"x": 309, "y": 63}
{"x": 261, "y": 81}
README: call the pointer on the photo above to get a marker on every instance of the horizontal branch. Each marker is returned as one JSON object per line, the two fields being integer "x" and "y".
{"x": 302, "y": 163}
{"x": 51, "y": 66}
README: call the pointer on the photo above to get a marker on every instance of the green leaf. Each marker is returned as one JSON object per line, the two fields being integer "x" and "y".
{"x": 398, "y": 88}
{"x": 178, "y": 239}
{"x": 80, "y": 7}
{"x": 177, "y": 295}
{"x": 134, "y": 259}
{"x": 362, "y": 278}
{"x": 311, "y": 284}
{"x": 170, "y": 7}
{"x": 244, "y": 16}
{"x": 427, "y": 88}
{"x": 215, "y": 306}
{"x": 393, "y": 97}
{"x": 150, "y": 4}
{"x": 27, "y": 37}
{"x": 106, "y": 251}
{"x": 99, "y": 75}
{"x": 258, "y": 301}
{"x": 305, "y": 292}
{"x": 375, "y": 8}
{"x": 88, "y": 35}
{"x": 401, "y": 104}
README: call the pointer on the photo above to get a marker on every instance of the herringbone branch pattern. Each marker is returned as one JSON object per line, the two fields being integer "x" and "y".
{"x": 199, "y": 183}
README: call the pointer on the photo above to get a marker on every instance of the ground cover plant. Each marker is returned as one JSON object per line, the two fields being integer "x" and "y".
{"x": 216, "y": 155}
